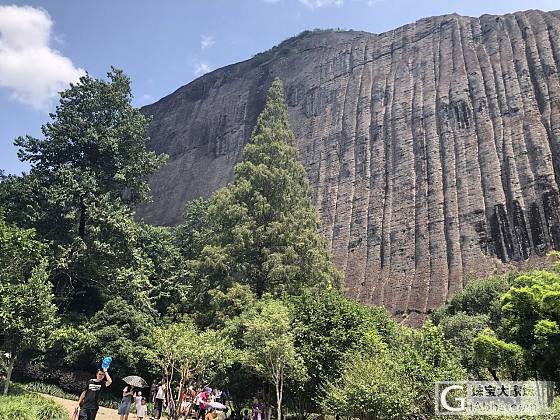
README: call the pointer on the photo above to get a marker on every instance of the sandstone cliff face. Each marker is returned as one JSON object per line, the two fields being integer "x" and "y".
{"x": 433, "y": 150}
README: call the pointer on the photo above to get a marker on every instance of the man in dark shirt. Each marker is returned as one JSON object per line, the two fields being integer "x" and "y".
{"x": 89, "y": 400}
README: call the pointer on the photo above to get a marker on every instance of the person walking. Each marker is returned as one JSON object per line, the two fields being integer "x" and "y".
{"x": 126, "y": 402}
{"x": 203, "y": 399}
{"x": 258, "y": 409}
{"x": 142, "y": 411}
{"x": 88, "y": 402}
{"x": 138, "y": 403}
{"x": 159, "y": 400}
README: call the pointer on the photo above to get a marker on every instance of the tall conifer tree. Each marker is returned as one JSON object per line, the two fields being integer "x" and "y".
{"x": 266, "y": 229}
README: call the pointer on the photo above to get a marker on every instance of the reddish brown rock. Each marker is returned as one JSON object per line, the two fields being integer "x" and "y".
{"x": 433, "y": 150}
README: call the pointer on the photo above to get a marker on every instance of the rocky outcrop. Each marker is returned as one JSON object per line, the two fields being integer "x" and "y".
{"x": 433, "y": 149}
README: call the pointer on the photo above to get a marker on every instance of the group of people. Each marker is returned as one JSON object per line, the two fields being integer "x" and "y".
{"x": 130, "y": 395}
{"x": 201, "y": 403}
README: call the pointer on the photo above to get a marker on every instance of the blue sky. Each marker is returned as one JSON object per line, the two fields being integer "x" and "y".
{"x": 164, "y": 45}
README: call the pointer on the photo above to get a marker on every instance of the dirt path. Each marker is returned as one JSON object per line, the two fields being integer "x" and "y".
{"x": 102, "y": 414}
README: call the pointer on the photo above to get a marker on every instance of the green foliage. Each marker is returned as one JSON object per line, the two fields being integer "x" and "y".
{"x": 328, "y": 329}
{"x": 266, "y": 232}
{"x": 168, "y": 280}
{"x": 479, "y": 297}
{"x": 30, "y": 407}
{"x": 181, "y": 350}
{"x": 269, "y": 343}
{"x": 122, "y": 331}
{"x": 49, "y": 389}
{"x": 87, "y": 172}
{"x": 468, "y": 313}
{"x": 195, "y": 231}
{"x": 371, "y": 388}
{"x": 508, "y": 326}
{"x": 225, "y": 306}
{"x": 27, "y": 312}
{"x": 531, "y": 318}
{"x": 393, "y": 380}
{"x": 185, "y": 354}
{"x": 459, "y": 330}
{"x": 424, "y": 358}
{"x": 503, "y": 360}
{"x": 20, "y": 252}
{"x": 96, "y": 143}
{"x": 269, "y": 348}
{"x": 71, "y": 346}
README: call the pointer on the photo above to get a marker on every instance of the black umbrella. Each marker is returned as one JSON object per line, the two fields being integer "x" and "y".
{"x": 135, "y": 381}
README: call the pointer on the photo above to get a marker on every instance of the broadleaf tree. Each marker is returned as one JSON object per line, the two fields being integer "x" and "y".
{"x": 27, "y": 313}
{"x": 269, "y": 346}
{"x": 87, "y": 172}
{"x": 184, "y": 354}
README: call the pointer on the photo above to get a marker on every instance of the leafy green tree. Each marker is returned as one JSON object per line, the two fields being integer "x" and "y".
{"x": 269, "y": 346}
{"x": 95, "y": 143}
{"x": 395, "y": 378}
{"x": 266, "y": 232}
{"x": 196, "y": 230}
{"x": 122, "y": 331}
{"x": 372, "y": 387}
{"x": 502, "y": 359}
{"x": 479, "y": 297}
{"x": 169, "y": 280}
{"x": 225, "y": 306}
{"x": 27, "y": 314}
{"x": 546, "y": 349}
{"x": 531, "y": 319}
{"x": 426, "y": 357}
{"x": 328, "y": 329}
{"x": 87, "y": 172}
{"x": 184, "y": 353}
{"x": 460, "y": 329}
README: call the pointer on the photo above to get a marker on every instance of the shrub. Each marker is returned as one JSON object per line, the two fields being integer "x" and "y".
{"x": 30, "y": 407}
{"x": 50, "y": 389}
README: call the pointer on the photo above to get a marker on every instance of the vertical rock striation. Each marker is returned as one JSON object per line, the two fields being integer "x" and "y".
{"x": 433, "y": 150}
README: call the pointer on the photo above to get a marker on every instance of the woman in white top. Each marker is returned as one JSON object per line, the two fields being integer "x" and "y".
{"x": 159, "y": 400}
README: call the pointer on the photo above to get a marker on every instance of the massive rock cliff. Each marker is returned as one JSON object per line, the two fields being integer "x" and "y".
{"x": 433, "y": 150}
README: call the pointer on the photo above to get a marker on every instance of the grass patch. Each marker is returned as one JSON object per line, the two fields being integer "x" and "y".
{"x": 30, "y": 407}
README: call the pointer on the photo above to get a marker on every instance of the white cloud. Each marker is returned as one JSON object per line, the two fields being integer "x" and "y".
{"x": 30, "y": 69}
{"x": 200, "y": 68}
{"x": 207, "y": 41}
{"x": 314, "y": 4}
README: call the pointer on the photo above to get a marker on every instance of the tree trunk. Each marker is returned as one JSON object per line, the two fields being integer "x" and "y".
{"x": 83, "y": 217}
{"x": 9, "y": 374}
{"x": 279, "y": 386}
{"x": 494, "y": 374}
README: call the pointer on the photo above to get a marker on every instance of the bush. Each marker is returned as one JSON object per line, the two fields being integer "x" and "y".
{"x": 49, "y": 389}
{"x": 30, "y": 407}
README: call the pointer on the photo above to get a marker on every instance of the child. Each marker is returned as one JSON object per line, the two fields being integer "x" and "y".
{"x": 142, "y": 410}
{"x": 138, "y": 402}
